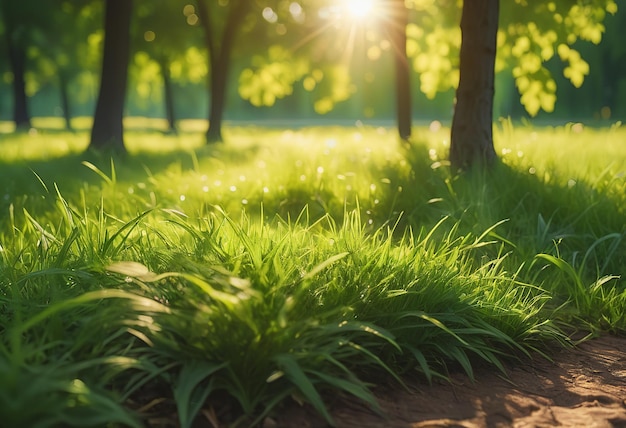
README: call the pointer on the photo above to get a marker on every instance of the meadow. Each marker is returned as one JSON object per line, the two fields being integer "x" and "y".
{"x": 288, "y": 265}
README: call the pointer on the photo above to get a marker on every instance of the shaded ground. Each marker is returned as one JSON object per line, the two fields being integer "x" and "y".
{"x": 582, "y": 387}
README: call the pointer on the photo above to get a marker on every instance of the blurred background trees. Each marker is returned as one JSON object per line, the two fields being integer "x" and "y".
{"x": 307, "y": 59}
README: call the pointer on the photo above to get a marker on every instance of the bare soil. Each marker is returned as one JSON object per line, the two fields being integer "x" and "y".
{"x": 581, "y": 387}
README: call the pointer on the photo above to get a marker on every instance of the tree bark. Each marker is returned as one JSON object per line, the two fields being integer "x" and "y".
{"x": 108, "y": 129}
{"x": 169, "y": 96}
{"x": 17, "y": 60}
{"x": 399, "y": 23}
{"x": 471, "y": 139}
{"x": 20, "y": 101}
{"x": 219, "y": 61}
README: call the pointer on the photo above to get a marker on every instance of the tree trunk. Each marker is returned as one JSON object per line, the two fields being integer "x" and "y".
{"x": 65, "y": 100}
{"x": 169, "y": 96}
{"x": 403, "y": 74}
{"x": 219, "y": 61}
{"x": 108, "y": 130}
{"x": 472, "y": 133}
{"x": 17, "y": 58}
{"x": 219, "y": 80}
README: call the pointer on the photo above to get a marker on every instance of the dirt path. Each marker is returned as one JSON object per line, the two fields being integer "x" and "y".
{"x": 583, "y": 387}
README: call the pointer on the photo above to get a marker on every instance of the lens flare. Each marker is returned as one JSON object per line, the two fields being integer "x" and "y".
{"x": 359, "y": 9}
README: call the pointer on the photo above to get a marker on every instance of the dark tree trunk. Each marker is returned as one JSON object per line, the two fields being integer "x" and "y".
{"x": 219, "y": 61}
{"x": 108, "y": 130}
{"x": 403, "y": 73}
{"x": 169, "y": 96}
{"x": 219, "y": 80}
{"x": 472, "y": 132}
{"x": 65, "y": 100}
{"x": 17, "y": 58}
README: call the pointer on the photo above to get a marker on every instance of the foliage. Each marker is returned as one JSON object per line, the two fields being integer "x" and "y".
{"x": 530, "y": 35}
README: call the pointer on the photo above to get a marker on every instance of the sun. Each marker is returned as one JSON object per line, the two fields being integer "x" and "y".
{"x": 359, "y": 9}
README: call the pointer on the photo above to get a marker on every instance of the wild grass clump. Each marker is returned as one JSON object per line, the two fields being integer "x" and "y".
{"x": 286, "y": 265}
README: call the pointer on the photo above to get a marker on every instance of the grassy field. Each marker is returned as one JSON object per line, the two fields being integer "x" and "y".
{"x": 291, "y": 264}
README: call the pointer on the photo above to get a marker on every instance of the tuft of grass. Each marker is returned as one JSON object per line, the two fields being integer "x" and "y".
{"x": 287, "y": 265}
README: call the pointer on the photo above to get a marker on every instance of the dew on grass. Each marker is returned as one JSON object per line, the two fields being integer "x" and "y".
{"x": 432, "y": 153}
{"x": 141, "y": 185}
{"x": 349, "y": 188}
{"x": 385, "y": 180}
{"x": 217, "y": 183}
{"x": 261, "y": 164}
{"x": 182, "y": 198}
{"x": 320, "y": 170}
{"x": 571, "y": 183}
{"x": 578, "y": 128}
{"x": 445, "y": 143}
{"x": 244, "y": 202}
{"x": 376, "y": 201}
{"x": 242, "y": 178}
{"x": 233, "y": 188}
{"x": 372, "y": 187}
{"x": 341, "y": 177}
{"x": 266, "y": 189}
{"x": 303, "y": 177}
{"x": 506, "y": 151}
{"x": 131, "y": 190}
{"x": 205, "y": 189}
{"x": 520, "y": 154}
{"x": 331, "y": 143}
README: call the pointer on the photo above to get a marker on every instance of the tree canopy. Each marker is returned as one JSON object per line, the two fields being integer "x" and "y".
{"x": 326, "y": 54}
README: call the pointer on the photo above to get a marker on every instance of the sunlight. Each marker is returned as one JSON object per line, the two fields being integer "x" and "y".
{"x": 359, "y": 9}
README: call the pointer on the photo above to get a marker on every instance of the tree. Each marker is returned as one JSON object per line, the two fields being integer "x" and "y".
{"x": 165, "y": 38}
{"x": 108, "y": 129}
{"x": 19, "y": 26}
{"x": 220, "y": 44}
{"x": 528, "y": 34}
{"x": 471, "y": 135}
{"x": 399, "y": 20}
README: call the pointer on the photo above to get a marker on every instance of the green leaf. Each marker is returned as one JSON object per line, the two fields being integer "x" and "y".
{"x": 289, "y": 365}
{"x": 189, "y": 394}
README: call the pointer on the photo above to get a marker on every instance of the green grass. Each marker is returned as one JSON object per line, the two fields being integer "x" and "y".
{"x": 292, "y": 264}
